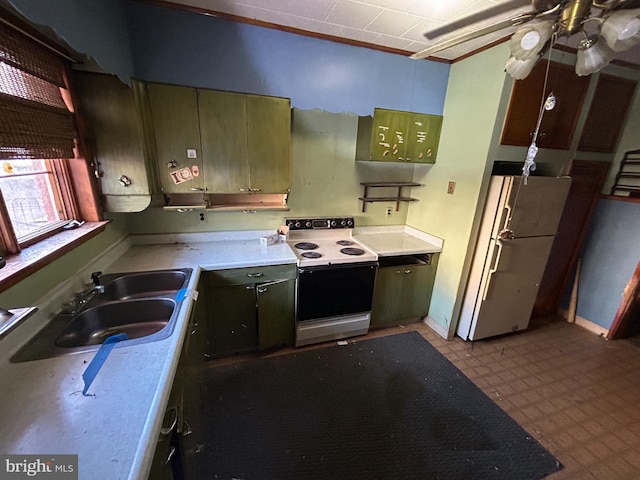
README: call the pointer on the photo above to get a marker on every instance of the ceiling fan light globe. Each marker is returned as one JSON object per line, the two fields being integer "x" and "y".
{"x": 590, "y": 60}
{"x": 520, "y": 69}
{"x": 621, "y": 29}
{"x": 529, "y": 40}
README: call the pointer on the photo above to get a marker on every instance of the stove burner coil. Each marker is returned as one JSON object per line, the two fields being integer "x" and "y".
{"x": 352, "y": 251}
{"x": 344, "y": 243}
{"x": 306, "y": 246}
{"x": 310, "y": 255}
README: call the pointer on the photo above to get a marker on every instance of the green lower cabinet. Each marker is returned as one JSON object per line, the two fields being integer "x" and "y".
{"x": 251, "y": 309}
{"x": 234, "y": 327}
{"x": 276, "y": 314}
{"x": 403, "y": 289}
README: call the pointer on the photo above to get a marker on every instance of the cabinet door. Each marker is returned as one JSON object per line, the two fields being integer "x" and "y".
{"x": 223, "y": 130}
{"x": 384, "y": 310}
{"x": 174, "y": 112}
{"x": 558, "y": 125}
{"x": 611, "y": 101}
{"x": 276, "y": 314}
{"x": 389, "y": 135}
{"x": 233, "y": 319}
{"x": 269, "y": 143}
{"x": 415, "y": 297}
{"x": 423, "y": 138}
{"x": 109, "y": 109}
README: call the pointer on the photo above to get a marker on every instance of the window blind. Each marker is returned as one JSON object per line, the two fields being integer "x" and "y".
{"x": 34, "y": 119}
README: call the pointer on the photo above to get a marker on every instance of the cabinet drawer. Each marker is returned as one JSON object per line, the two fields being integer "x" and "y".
{"x": 241, "y": 276}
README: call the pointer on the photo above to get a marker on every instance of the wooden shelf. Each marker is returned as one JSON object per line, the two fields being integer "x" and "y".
{"x": 397, "y": 198}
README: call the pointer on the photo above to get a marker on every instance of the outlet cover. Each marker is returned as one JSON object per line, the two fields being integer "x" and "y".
{"x": 451, "y": 188}
{"x": 389, "y": 211}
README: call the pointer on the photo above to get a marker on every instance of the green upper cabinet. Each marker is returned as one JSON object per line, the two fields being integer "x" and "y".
{"x": 114, "y": 134}
{"x": 174, "y": 117}
{"x": 223, "y": 121}
{"x": 407, "y": 137}
{"x": 269, "y": 143}
{"x": 246, "y": 142}
{"x": 220, "y": 142}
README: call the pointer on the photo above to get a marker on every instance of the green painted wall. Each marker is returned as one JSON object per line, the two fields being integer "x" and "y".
{"x": 325, "y": 182}
{"x": 473, "y": 97}
{"x": 32, "y": 289}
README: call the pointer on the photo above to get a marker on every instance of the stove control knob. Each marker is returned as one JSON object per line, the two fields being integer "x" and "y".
{"x": 343, "y": 223}
{"x": 308, "y": 224}
{"x": 297, "y": 224}
{"x": 350, "y": 222}
{"x": 333, "y": 223}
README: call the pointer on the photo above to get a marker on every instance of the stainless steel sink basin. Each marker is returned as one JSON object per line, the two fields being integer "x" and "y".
{"x": 142, "y": 284}
{"x": 144, "y": 305}
{"x": 137, "y": 318}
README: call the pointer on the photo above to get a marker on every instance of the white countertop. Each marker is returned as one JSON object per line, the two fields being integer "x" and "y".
{"x": 115, "y": 431}
{"x": 398, "y": 240}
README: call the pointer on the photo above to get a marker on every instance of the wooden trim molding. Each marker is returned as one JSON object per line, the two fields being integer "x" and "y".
{"x": 33, "y": 258}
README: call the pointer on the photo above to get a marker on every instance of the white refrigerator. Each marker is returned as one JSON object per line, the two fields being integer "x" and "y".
{"x": 518, "y": 227}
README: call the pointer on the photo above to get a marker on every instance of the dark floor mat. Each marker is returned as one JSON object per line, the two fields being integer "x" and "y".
{"x": 386, "y": 408}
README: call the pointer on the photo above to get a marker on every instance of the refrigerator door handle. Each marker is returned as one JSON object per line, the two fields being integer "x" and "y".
{"x": 493, "y": 270}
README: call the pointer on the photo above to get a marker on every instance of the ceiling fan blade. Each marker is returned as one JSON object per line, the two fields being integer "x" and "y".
{"x": 494, "y": 11}
{"x": 511, "y": 22}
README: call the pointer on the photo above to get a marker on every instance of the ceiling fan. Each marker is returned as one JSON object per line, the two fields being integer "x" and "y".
{"x": 616, "y": 24}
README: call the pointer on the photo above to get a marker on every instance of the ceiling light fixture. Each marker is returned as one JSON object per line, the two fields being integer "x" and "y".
{"x": 619, "y": 30}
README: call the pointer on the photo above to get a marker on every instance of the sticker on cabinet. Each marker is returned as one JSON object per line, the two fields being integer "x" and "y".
{"x": 182, "y": 175}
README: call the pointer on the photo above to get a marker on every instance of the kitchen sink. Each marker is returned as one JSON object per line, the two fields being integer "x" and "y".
{"x": 137, "y": 318}
{"x": 142, "y": 284}
{"x": 144, "y": 305}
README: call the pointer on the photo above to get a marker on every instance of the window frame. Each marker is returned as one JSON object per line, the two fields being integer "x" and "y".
{"x": 77, "y": 184}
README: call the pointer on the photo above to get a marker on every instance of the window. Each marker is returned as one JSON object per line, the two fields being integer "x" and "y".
{"x": 38, "y": 191}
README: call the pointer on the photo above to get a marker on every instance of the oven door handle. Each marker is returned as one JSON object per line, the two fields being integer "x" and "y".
{"x": 262, "y": 287}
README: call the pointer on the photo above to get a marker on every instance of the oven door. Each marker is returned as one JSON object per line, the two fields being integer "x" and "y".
{"x": 334, "y": 290}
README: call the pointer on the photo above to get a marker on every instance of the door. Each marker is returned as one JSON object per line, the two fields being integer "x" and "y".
{"x": 535, "y": 208}
{"x": 234, "y": 326}
{"x": 388, "y": 289}
{"x": 269, "y": 143}
{"x": 423, "y": 137}
{"x": 174, "y": 112}
{"x": 587, "y": 180}
{"x": 509, "y": 286}
{"x": 388, "y": 139}
{"x": 223, "y": 124}
{"x": 276, "y": 313}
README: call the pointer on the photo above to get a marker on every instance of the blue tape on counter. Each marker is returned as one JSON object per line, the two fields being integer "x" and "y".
{"x": 98, "y": 360}
{"x": 181, "y": 295}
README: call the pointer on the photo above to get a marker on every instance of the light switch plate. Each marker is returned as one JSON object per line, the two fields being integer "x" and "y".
{"x": 451, "y": 188}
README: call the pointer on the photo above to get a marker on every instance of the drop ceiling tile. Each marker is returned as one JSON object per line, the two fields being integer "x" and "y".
{"x": 417, "y": 33}
{"x": 393, "y": 23}
{"x": 441, "y": 10}
{"x": 353, "y": 14}
{"x": 356, "y": 34}
{"x": 392, "y": 42}
{"x": 316, "y": 9}
{"x": 397, "y": 5}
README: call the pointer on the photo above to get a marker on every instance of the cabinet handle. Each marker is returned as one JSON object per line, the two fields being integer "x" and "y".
{"x": 194, "y": 328}
{"x": 186, "y": 429}
{"x": 249, "y": 211}
{"x": 255, "y": 275}
{"x": 407, "y": 272}
{"x": 262, "y": 289}
{"x": 254, "y": 190}
{"x": 245, "y": 189}
{"x": 124, "y": 181}
{"x": 198, "y": 189}
{"x": 169, "y": 429}
{"x": 172, "y": 451}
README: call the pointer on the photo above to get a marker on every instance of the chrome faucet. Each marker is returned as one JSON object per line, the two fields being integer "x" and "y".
{"x": 84, "y": 296}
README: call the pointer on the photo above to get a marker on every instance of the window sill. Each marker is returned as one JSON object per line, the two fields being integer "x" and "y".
{"x": 33, "y": 258}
